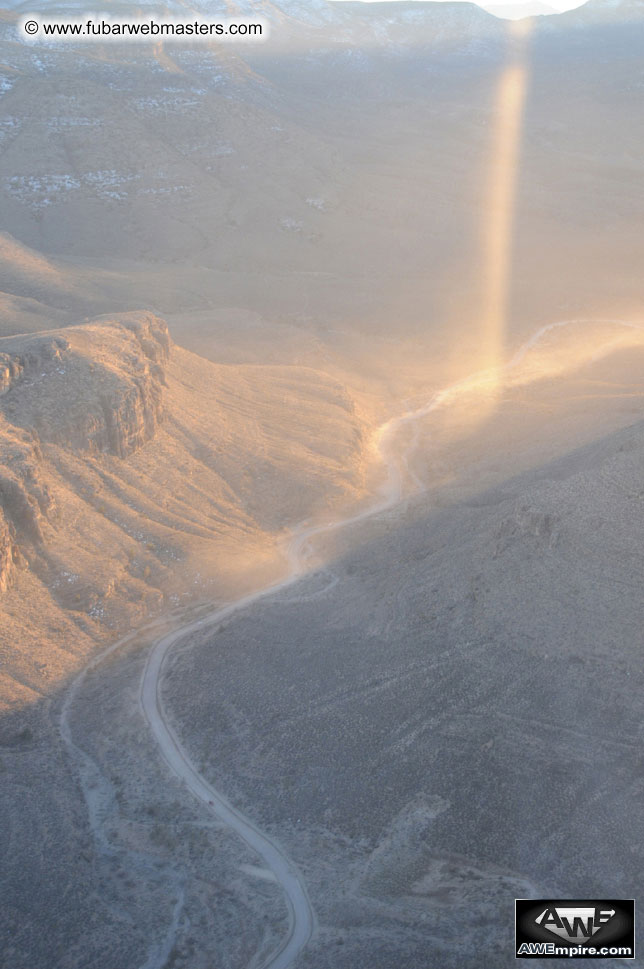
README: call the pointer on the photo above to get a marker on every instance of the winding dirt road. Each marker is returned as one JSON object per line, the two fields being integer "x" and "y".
{"x": 301, "y": 917}
{"x": 400, "y": 478}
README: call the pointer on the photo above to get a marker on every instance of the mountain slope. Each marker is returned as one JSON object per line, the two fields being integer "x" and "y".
{"x": 135, "y": 474}
{"x": 463, "y": 702}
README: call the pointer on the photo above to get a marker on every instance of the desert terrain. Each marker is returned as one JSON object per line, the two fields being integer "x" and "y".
{"x": 321, "y": 424}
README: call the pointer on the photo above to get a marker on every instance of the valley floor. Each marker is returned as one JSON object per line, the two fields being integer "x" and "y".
{"x": 424, "y": 722}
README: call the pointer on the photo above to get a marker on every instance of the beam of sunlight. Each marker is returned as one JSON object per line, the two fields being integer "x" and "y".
{"x": 499, "y": 208}
{"x": 556, "y": 351}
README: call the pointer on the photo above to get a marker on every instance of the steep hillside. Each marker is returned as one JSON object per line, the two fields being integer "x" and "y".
{"x": 460, "y": 704}
{"x": 135, "y": 476}
{"x": 419, "y": 723}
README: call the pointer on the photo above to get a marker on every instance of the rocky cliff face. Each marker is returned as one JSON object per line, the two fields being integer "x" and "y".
{"x": 9, "y": 372}
{"x": 8, "y": 550}
{"x": 108, "y": 512}
{"x": 25, "y": 497}
{"x": 96, "y": 388}
{"x": 93, "y": 388}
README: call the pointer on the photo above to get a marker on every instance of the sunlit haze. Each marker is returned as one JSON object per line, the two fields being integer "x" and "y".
{"x": 321, "y": 483}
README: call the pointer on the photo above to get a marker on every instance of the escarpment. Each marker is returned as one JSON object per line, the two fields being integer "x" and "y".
{"x": 134, "y": 474}
{"x": 8, "y": 551}
{"x": 25, "y": 496}
{"x": 10, "y": 369}
{"x": 91, "y": 388}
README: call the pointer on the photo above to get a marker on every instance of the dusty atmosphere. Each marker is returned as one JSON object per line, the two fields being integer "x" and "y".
{"x": 321, "y": 484}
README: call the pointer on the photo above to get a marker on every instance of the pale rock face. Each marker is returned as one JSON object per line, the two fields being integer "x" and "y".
{"x": 7, "y": 552}
{"x": 10, "y": 370}
{"x": 25, "y": 498}
{"x": 69, "y": 398}
{"x": 109, "y": 400}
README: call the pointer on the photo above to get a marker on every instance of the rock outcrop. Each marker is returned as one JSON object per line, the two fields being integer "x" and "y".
{"x": 97, "y": 387}
{"x": 25, "y": 497}
{"x": 108, "y": 511}
{"x": 10, "y": 369}
{"x": 93, "y": 388}
{"x": 8, "y": 552}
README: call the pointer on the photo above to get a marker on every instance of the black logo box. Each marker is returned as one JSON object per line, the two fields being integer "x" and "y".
{"x": 616, "y": 932}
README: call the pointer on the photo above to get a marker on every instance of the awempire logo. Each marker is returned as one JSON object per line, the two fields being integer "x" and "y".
{"x": 571, "y": 928}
